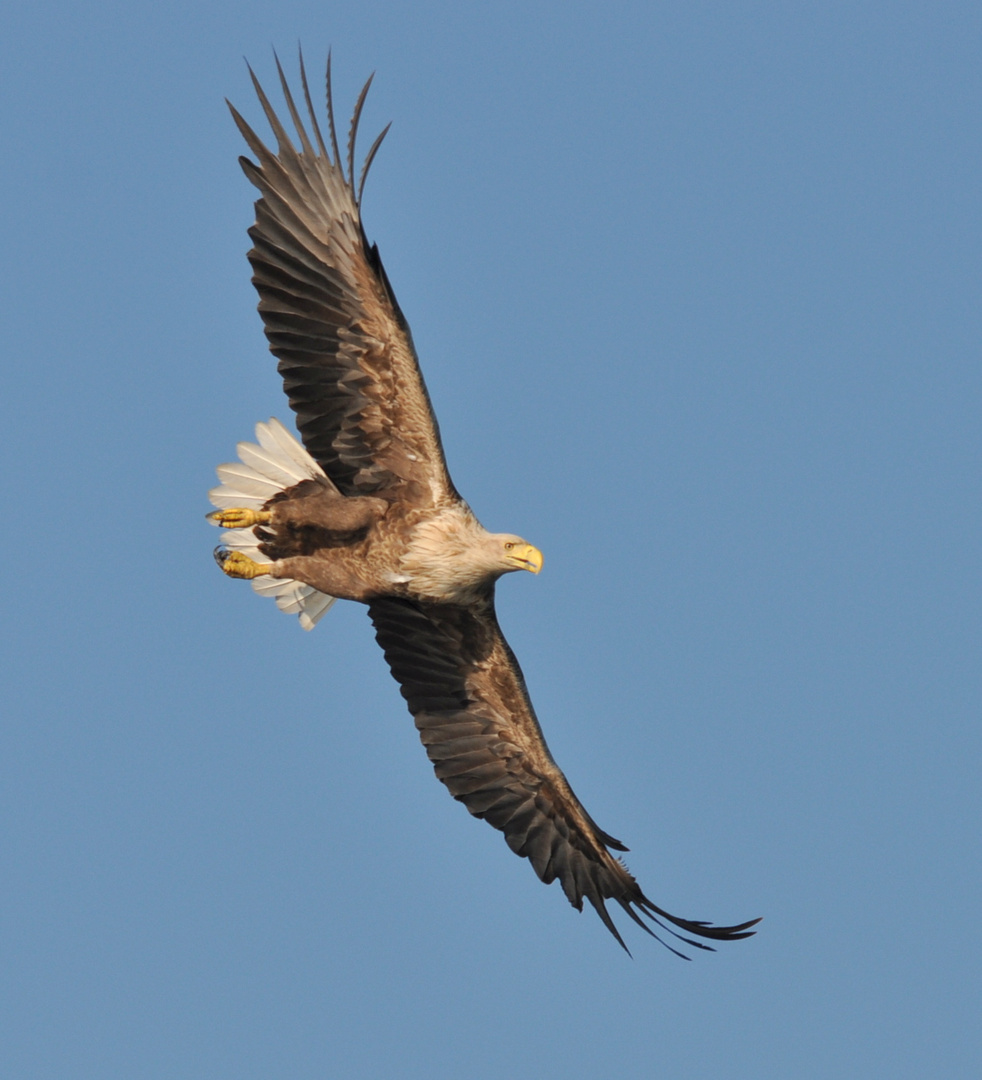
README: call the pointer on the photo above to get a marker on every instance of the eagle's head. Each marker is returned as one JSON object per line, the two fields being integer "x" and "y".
{"x": 452, "y": 559}
{"x": 510, "y": 553}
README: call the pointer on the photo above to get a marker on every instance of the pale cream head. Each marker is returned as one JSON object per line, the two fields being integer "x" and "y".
{"x": 514, "y": 553}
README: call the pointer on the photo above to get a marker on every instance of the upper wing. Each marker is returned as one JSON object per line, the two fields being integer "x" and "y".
{"x": 344, "y": 349}
{"x": 468, "y": 697}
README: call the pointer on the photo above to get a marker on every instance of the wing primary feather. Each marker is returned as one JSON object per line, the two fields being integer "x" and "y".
{"x": 601, "y": 910}
{"x": 368, "y": 161}
{"x": 330, "y": 114}
{"x": 703, "y": 929}
{"x": 353, "y": 130}
{"x": 253, "y": 141}
{"x": 283, "y": 141}
{"x": 626, "y": 904}
{"x": 310, "y": 105}
{"x": 294, "y": 115}
{"x": 661, "y": 941}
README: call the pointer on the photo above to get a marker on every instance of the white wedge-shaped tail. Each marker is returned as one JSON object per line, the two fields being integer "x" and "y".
{"x": 277, "y": 463}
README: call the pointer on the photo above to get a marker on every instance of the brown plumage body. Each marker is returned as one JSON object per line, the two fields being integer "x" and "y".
{"x": 385, "y": 526}
{"x": 364, "y": 547}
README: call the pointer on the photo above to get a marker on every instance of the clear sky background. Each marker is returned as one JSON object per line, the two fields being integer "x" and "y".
{"x": 696, "y": 291}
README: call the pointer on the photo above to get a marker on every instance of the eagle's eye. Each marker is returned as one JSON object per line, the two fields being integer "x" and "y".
{"x": 509, "y": 546}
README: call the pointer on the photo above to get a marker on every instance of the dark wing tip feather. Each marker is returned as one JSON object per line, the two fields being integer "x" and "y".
{"x": 638, "y": 905}
{"x": 330, "y": 114}
{"x": 369, "y": 158}
{"x": 694, "y": 926}
{"x": 601, "y": 909}
{"x": 283, "y": 141}
{"x": 310, "y": 105}
{"x": 353, "y": 130}
{"x": 626, "y": 905}
{"x": 294, "y": 114}
{"x": 252, "y": 139}
{"x": 639, "y": 908}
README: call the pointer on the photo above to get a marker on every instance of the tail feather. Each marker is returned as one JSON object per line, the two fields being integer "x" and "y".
{"x": 269, "y": 464}
{"x": 275, "y": 438}
{"x": 295, "y": 598}
{"x": 239, "y": 482}
{"x": 277, "y": 463}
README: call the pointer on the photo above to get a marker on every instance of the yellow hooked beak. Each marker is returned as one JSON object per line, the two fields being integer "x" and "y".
{"x": 526, "y": 557}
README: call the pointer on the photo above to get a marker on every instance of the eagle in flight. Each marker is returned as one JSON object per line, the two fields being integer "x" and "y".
{"x": 365, "y": 510}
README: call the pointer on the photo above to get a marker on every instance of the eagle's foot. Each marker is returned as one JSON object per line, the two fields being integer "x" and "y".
{"x": 237, "y": 565}
{"x": 237, "y": 517}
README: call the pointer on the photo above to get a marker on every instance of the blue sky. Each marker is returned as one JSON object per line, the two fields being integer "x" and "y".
{"x": 696, "y": 292}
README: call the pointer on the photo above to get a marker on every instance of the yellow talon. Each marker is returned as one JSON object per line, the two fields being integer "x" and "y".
{"x": 237, "y": 565}
{"x": 237, "y": 517}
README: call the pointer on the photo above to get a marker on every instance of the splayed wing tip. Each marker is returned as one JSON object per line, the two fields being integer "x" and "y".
{"x": 699, "y": 927}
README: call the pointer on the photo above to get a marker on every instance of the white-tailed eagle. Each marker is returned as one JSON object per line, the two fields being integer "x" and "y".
{"x": 365, "y": 510}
